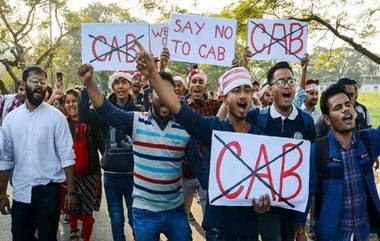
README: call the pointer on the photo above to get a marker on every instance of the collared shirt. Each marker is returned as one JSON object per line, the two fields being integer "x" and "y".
{"x": 316, "y": 114}
{"x": 353, "y": 220}
{"x": 205, "y": 108}
{"x": 37, "y": 146}
{"x": 275, "y": 114}
{"x": 7, "y": 104}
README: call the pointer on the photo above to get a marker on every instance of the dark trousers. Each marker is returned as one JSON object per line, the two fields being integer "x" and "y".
{"x": 41, "y": 214}
{"x": 214, "y": 234}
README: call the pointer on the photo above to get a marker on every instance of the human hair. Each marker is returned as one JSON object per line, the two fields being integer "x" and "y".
{"x": 331, "y": 91}
{"x": 255, "y": 82}
{"x": 348, "y": 81}
{"x": 167, "y": 77}
{"x": 312, "y": 81}
{"x": 70, "y": 92}
{"x": 33, "y": 69}
{"x": 279, "y": 65}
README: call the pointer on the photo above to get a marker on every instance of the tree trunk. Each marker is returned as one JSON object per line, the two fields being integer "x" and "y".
{"x": 3, "y": 88}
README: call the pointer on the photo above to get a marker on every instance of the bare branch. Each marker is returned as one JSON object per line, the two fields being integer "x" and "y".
{"x": 31, "y": 25}
{"x": 7, "y": 25}
{"x": 372, "y": 56}
{"x": 57, "y": 20}
{"x": 30, "y": 13}
{"x": 56, "y": 45}
{"x": 3, "y": 88}
{"x": 10, "y": 71}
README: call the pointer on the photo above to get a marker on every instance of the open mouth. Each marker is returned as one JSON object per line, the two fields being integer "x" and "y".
{"x": 242, "y": 106}
{"x": 286, "y": 95}
{"x": 348, "y": 118}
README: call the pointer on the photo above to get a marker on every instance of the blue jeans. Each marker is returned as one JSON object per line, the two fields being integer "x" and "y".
{"x": 117, "y": 187}
{"x": 172, "y": 223}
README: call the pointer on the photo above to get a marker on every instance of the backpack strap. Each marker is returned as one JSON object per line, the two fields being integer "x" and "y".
{"x": 262, "y": 118}
{"x": 365, "y": 139}
{"x": 308, "y": 123}
{"x": 323, "y": 151}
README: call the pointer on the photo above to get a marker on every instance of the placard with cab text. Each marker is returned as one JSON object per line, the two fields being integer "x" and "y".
{"x": 111, "y": 46}
{"x": 202, "y": 40}
{"x": 247, "y": 166}
{"x": 277, "y": 39}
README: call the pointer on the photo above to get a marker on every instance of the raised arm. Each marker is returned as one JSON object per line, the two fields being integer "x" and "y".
{"x": 85, "y": 113}
{"x": 107, "y": 112}
{"x": 304, "y": 64}
{"x": 86, "y": 72}
{"x": 146, "y": 65}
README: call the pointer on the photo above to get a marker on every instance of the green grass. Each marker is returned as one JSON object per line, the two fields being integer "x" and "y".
{"x": 371, "y": 100}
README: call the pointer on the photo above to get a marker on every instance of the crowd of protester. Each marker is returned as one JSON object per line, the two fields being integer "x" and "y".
{"x": 148, "y": 144}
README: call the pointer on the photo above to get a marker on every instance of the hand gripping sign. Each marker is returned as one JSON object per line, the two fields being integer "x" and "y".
{"x": 277, "y": 39}
{"x": 112, "y": 46}
{"x": 246, "y": 166}
{"x": 203, "y": 40}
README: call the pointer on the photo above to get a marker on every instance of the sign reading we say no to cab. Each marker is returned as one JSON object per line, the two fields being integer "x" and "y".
{"x": 277, "y": 39}
{"x": 203, "y": 40}
{"x": 246, "y": 166}
{"x": 112, "y": 46}
{"x": 158, "y": 38}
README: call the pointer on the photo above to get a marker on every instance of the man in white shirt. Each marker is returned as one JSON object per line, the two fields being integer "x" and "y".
{"x": 38, "y": 155}
{"x": 312, "y": 90}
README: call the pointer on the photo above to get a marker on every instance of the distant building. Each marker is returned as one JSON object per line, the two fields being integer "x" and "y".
{"x": 370, "y": 82}
{"x": 366, "y": 82}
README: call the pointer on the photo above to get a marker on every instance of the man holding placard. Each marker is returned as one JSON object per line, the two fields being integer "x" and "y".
{"x": 282, "y": 119}
{"x": 222, "y": 223}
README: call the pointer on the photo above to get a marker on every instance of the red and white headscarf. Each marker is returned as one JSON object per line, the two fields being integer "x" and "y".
{"x": 119, "y": 74}
{"x": 233, "y": 78}
{"x": 312, "y": 86}
{"x": 179, "y": 78}
{"x": 263, "y": 90}
{"x": 197, "y": 73}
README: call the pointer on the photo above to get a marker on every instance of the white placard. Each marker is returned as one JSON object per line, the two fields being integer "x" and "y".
{"x": 288, "y": 175}
{"x": 277, "y": 39}
{"x": 111, "y": 46}
{"x": 158, "y": 38}
{"x": 202, "y": 40}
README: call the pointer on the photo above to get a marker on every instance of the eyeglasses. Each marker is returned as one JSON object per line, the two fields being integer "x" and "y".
{"x": 35, "y": 81}
{"x": 281, "y": 82}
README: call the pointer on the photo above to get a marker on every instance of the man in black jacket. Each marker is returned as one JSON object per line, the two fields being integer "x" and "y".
{"x": 117, "y": 162}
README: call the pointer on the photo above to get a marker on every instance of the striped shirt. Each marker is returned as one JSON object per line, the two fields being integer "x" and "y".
{"x": 158, "y": 156}
{"x": 158, "y": 153}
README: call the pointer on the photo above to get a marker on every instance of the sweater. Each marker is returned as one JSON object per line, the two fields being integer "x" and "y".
{"x": 117, "y": 158}
{"x": 238, "y": 221}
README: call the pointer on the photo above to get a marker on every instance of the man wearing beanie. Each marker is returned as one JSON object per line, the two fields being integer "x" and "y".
{"x": 221, "y": 223}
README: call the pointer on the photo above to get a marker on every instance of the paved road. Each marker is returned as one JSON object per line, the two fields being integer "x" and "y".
{"x": 102, "y": 228}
